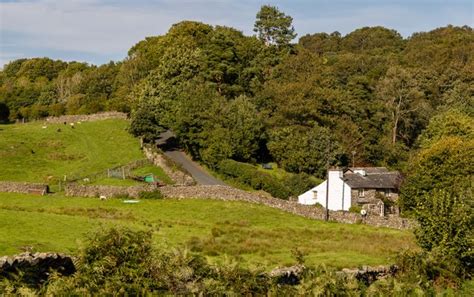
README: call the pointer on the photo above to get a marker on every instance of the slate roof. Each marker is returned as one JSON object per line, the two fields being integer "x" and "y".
{"x": 375, "y": 178}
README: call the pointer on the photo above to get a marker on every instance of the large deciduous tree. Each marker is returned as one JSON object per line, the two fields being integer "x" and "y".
{"x": 402, "y": 97}
{"x": 273, "y": 26}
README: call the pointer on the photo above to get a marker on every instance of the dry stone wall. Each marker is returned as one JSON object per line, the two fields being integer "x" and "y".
{"x": 36, "y": 267}
{"x": 231, "y": 194}
{"x": 21, "y": 187}
{"x": 76, "y": 190}
{"x": 177, "y": 176}
{"x": 87, "y": 117}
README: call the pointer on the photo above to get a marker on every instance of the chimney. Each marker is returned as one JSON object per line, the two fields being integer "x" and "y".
{"x": 334, "y": 173}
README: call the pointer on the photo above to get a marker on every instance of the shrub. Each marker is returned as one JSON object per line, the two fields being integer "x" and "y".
{"x": 355, "y": 209}
{"x": 123, "y": 262}
{"x": 318, "y": 205}
{"x": 249, "y": 175}
{"x": 299, "y": 183}
{"x": 446, "y": 223}
{"x": 156, "y": 194}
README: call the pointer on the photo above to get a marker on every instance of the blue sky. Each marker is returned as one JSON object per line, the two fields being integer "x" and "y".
{"x": 97, "y": 31}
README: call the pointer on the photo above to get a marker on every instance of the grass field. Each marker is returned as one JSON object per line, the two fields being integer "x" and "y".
{"x": 253, "y": 233}
{"x": 29, "y": 152}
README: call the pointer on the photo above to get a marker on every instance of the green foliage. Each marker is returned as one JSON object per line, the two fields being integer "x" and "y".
{"x": 156, "y": 194}
{"x": 355, "y": 209}
{"x": 251, "y": 176}
{"x": 273, "y": 26}
{"x": 299, "y": 183}
{"x": 445, "y": 165}
{"x": 145, "y": 124}
{"x": 301, "y": 149}
{"x": 115, "y": 260}
{"x": 448, "y": 124}
{"x": 373, "y": 38}
{"x": 120, "y": 261}
{"x": 446, "y": 226}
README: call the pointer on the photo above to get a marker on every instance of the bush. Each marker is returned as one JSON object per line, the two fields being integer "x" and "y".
{"x": 299, "y": 183}
{"x": 446, "y": 224}
{"x": 355, "y": 209}
{"x": 249, "y": 175}
{"x": 123, "y": 262}
{"x": 156, "y": 194}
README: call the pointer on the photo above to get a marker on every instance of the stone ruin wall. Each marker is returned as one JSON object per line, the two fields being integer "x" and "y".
{"x": 86, "y": 117}
{"x": 177, "y": 176}
{"x": 76, "y": 190}
{"x": 36, "y": 266}
{"x": 23, "y": 187}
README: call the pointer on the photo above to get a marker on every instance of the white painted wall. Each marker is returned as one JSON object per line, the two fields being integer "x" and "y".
{"x": 315, "y": 195}
{"x": 339, "y": 193}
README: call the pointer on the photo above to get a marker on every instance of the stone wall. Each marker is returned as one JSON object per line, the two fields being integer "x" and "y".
{"x": 309, "y": 211}
{"x": 35, "y": 268}
{"x": 22, "y": 187}
{"x": 76, "y": 190}
{"x": 86, "y": 117}
{"x": 177, "y": 176}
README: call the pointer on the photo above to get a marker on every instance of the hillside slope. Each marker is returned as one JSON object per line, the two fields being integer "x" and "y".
{"x": 30, "y": 152}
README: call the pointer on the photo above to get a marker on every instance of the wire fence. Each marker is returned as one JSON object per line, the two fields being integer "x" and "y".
{"x": 118, "y": 172}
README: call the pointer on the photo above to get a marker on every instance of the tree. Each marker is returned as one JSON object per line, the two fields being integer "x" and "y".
{"x": 145, "y": 123}
{"x": 273, "y": 26}
{"x": 446, "y": 226}
{"x": 303, "y": 149}
{"x": 445, "y": 165}
{"x": 447, "y": 124}
{"x": 402, "y": 97}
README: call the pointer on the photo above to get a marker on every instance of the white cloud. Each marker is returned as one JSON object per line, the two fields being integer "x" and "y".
{"x": 81, "y": 25}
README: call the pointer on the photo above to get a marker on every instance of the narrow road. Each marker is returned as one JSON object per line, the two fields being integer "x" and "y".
{"x": 167, "y": 144}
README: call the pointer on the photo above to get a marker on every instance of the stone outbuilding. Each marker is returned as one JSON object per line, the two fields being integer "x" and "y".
{"x": 374, "y": 189}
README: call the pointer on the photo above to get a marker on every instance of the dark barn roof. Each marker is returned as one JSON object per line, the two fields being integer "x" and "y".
{"x": 375, "y": 178}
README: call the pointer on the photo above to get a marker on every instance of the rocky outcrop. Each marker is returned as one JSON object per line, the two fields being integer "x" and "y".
{"x": 35, "y": 268}
{"x": 76, "y": 190}
{"x": 86, "y": 117}
{"x": 26, "y": 188}
{"x": 231, "y": 194}
{"x": 177, "y": 176}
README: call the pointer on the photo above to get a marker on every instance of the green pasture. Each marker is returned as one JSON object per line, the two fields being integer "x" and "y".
{"x": 42, "y": 152}
{"x": 216, "y": 229}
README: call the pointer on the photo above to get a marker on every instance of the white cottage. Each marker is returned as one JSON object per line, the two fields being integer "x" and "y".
{"x": 372, "y": 188}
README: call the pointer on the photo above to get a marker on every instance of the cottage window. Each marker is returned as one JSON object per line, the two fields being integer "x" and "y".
{"x": 388, "y": 193}
{"x": 361, "y": 193}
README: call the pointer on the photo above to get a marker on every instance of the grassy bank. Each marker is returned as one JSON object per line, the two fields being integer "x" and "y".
{"x": 254, "y": 233}
{"x": 29, "y": 152}
{"x": 40, "y": 152}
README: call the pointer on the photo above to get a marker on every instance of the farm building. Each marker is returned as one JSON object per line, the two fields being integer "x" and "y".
{"x": 374, "y": 189}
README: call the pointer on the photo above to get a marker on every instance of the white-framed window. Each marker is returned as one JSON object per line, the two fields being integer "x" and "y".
{"x": 361, "y": 192}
